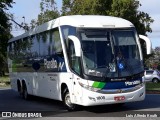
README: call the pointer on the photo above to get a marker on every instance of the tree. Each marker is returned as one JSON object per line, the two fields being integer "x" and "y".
{"x": 79, "y": 7}
{"x": 158, "y": 67}
{"x": 5, "y": 35}
{"x": 48, "y": 12}
{"x": 127, "y": 9}
{"x": 156, "y": 57}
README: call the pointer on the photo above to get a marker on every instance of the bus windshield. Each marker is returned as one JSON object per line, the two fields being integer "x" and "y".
{"x": 110, "y": 53}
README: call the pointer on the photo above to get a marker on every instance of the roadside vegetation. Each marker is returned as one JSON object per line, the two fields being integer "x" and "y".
{"x": 4, "y": 81}
{"x": 152, "y": 86}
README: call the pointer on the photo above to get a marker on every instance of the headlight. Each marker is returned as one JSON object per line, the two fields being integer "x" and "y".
{"x": 89, "y": 87}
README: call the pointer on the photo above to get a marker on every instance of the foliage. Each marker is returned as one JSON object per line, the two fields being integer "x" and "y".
{"x": 4, "y": 81}
{"x": 149, "y": 60}
{"x": 127, "y": 9}
{"x": 79, "y": 7}
{"x": 48, "y": 12}
{"x": 4, "y": 31}
{"x": 158, "y": 67}
{"x": 153, "y": 86}
{"x": 153, "y": 61}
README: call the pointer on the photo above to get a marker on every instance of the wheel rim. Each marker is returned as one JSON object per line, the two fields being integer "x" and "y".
{"x": 155, "y": 81}
{"x": 68, "y": 101}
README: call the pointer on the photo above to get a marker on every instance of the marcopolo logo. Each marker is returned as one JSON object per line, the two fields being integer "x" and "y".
{"x": 53, "y": 64}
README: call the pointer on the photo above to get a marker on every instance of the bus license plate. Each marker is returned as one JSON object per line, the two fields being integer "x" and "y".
{"x": 119, "y": 98}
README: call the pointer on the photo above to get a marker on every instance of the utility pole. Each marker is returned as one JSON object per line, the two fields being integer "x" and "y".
{"x": 25, "y": 25}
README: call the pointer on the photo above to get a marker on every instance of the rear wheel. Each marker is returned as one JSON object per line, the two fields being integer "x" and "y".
{"x": 67, "y": 101}
{"x": 25, "y": 94}
{"x": 155, "y": 80}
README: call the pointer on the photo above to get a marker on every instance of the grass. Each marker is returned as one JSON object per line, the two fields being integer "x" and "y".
{"x": 153, "y": 86}
{"x": 4, "y": 81}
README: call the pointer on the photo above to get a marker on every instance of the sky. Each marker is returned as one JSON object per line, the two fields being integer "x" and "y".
{"x": 30, "y": 9}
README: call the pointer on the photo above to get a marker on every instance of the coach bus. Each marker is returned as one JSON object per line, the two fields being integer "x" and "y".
{"x": 82, "y": 60}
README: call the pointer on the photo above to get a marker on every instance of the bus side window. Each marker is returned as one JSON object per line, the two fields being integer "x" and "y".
{"x": 74, "y": 61}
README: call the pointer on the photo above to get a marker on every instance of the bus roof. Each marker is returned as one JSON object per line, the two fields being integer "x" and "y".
{"x": 88, "y": 21}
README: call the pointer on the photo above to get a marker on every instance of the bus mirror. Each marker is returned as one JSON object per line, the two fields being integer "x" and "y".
{"x": 148, "y": 43}
{"x": 77, "y": 45}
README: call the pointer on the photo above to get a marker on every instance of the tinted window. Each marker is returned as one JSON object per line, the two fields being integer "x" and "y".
{"x": 40, "y": 52}
{"x": 149, "y": 72}
{"x": 66, "y": 31}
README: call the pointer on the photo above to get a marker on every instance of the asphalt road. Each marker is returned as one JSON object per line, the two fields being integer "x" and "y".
{"x": 10, "y": 101}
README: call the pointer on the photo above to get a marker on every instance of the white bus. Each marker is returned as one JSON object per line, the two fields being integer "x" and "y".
{"x": 81, "y": 60}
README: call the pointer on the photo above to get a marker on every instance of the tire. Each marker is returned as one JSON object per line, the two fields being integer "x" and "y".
{"x": 25, "y": 94}
{"x": 155, "y": 80}
{"x": 67, "y": 101}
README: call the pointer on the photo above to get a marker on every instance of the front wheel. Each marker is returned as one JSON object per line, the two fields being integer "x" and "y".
{"x": 67, "y": 101}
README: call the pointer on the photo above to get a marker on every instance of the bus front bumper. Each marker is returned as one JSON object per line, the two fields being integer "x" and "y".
{"x": 90, "y": 98}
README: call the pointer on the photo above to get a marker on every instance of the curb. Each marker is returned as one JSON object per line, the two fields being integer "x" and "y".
{"x": 153, "y": 91}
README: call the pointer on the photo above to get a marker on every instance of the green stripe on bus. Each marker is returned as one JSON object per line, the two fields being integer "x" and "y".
{"x": 101, "y": 85}
{"x": 95, "y": 84}
{"x": 98, "y": 84}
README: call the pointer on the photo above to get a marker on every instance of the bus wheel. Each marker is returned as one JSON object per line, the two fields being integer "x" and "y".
{"x": 25, "y": 93}
{"x": 67, "y": 101}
